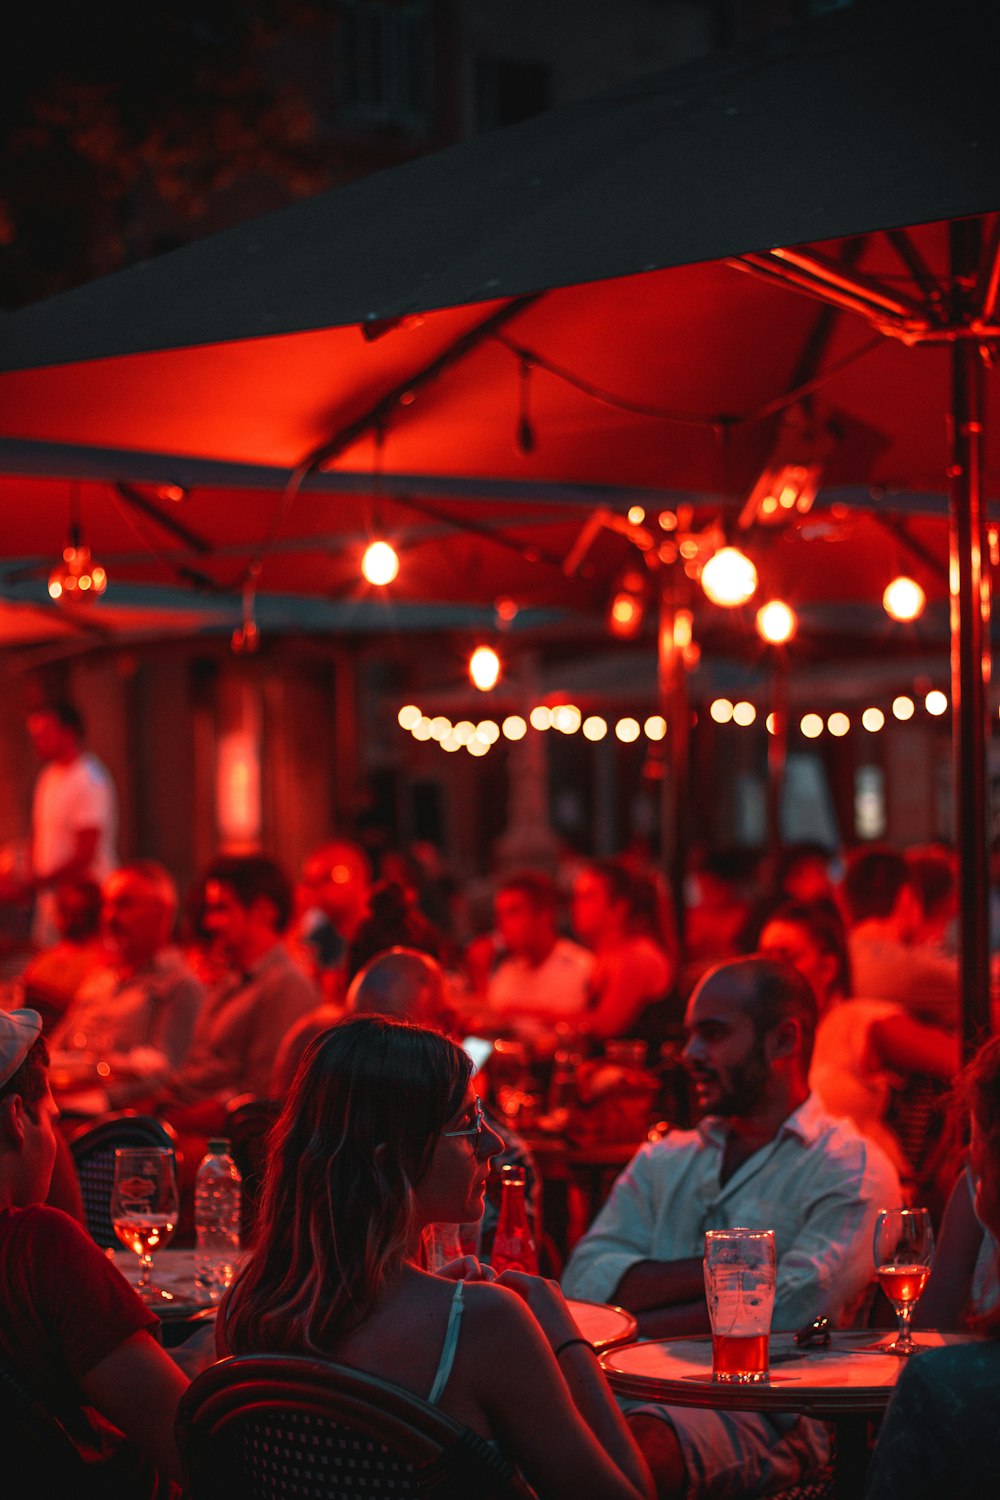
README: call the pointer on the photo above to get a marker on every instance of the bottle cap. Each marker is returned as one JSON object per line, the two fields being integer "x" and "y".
{"x": 219, "y": 1146}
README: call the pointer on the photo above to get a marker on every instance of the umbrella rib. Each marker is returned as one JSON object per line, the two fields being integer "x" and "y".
{"x": 125, "y": 501}
{"x": 526, "y": 551}
{"x": 901, "y": 532}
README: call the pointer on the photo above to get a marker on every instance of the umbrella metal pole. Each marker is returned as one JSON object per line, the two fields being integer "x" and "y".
{"x": 970, "y": 670}
{"x": 777, "y": 747}
{"x": 675, "y": 708}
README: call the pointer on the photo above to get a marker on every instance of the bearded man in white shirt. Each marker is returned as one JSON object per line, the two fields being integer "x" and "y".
{"x": 764, "y": 1155}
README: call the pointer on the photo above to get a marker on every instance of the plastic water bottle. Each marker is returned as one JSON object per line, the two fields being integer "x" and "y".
{"x": 217, "y": 1193}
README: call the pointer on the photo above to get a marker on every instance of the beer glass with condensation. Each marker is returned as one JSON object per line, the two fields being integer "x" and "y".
{"x": 739, "y": 1288}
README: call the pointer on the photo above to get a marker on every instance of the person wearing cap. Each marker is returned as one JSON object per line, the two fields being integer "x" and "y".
{"x": 73, "y": 1332}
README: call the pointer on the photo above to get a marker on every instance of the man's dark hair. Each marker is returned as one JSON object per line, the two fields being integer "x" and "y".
{"x": 775, "y": 992}
{"x": 250, "y": 876}
{"x": 65, "y": 713}
{"x": 618, "y": 881}
{"x": 538, "y": 889}
{"x": 873, "y": 879}
{"x": 32, "y": 1078}
{"x": 825, "y": 926}
{"x": 931, "y": 870}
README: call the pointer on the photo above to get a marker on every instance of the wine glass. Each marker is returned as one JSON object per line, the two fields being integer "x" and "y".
{"x": 904, "y": 1249}
{"x": 144, "y": 1208}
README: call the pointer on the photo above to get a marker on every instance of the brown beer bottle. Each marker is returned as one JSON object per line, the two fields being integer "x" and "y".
{"x": 513, "y": 1245}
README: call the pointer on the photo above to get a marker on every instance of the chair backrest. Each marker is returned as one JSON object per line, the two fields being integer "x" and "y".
{"x": 248, "y": 1120}
{"x": 263, "y": 1426}
{"x": 93, "y": 1149}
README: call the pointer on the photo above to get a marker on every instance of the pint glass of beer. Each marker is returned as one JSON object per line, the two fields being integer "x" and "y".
{"x": 739, "y": 1287}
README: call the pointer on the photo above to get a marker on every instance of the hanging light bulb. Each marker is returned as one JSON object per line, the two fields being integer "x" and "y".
{"x": 484, "y": 668}
{"x": 380, "y": 563}
{"x": 729, "y": 578}
{"x": 76, "y": 577}
{"x": 904, "y": 599}
{"x": 776, "y": 622}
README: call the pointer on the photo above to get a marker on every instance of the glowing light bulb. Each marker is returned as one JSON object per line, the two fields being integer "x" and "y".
{"x": 594, "y": 727}
{"x": 873, "y": 719}
{"x": 744, "y": 714}
{"x": 540, "y": 717}
{"x": 721, "y": 710}
{"x": 655, "y": 727}
{"x": 904, "y": 599}
{"x": 514, "y": 727}
{"x": 776, "y": 622}
{"x": 380, "y": 563}
{"x": 811, "y": 726}
{"x": 566, "y": 718}
{"x": 936, "y": 702}
{"x": 408, "y": 715}
{"x": 488, "y": 731}
{"x": 729, "y": 578}
{"x": 627, "y": 730}
{"x": 903, "y": 707}
{"x": 838, "y": 725}
{"x": 484, "y": 668}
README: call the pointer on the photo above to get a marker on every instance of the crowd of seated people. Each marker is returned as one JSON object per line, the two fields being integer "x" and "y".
{"x": 793, "y": 1065}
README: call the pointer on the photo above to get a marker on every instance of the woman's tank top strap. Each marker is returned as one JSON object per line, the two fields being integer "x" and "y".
{"x": 449, "y": 1346}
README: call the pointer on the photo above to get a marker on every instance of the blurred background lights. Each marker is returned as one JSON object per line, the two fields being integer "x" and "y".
{"x": 873, "y": 720}
{"x": 476, "y": 747}
{"x": 776, "y": 622}
{"x": 541, "y": 717}
{"x": 811, "y": 726}
{"x": 514, "y": 727}
{"x": 408, "y": 715}
{"x": 838, "y": 724}
{"x": 449, "y": 742}
{"x": 655, "y": 727}
{"x": 636, "y": 515}
{"x": 903, "y": 707}
{"x": 463, "y": 731}
{"x": 422, "y": 728}
{"x": 721, "y": 710}
{"x": 625, "y": 615}
{"x": 936, "y": 702}
{"x": 771, "y": 723}
{"x": 484, "y": 668}
{"x": 904, "y": 599}
{"x": 380, "y": 563}
{"x": 440, "y": 727}
{"x": 627, "y": 730}
{"x": 594, "y": 727}
{"x": 488, "y": 731}
{"x": 566, "y": 718}
{"x": 744, "y": 714}
{"x": 729, "y": 578}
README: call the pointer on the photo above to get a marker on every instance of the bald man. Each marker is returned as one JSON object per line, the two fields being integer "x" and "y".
{"x": 764, "y": 1155}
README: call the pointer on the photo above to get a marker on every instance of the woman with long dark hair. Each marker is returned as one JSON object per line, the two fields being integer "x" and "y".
{"x": 382, "y": 1135}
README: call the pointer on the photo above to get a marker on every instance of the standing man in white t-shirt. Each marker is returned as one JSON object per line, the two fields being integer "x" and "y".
{"x": 74, "y": 814}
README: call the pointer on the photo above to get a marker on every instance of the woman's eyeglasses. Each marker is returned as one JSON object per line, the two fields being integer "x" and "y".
{"x": 475, "y": 1130}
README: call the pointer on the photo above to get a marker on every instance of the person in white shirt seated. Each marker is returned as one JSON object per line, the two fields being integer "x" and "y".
{"x": 765, "y": 1155}
{"x": 543, "y": 978}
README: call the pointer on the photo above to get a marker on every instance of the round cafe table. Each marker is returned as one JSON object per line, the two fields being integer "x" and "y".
{"x": 602, "y": 1324}
{"x": 847, "y": 1383}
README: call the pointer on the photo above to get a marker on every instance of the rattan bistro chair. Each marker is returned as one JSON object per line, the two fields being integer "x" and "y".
{"x": 269, "y": 1427}
{"x": 93, "y": 1148}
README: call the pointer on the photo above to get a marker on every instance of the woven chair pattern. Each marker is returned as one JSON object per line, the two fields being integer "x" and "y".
{"x": 93, "y": 1149}
{"x": 287, "y": 1427}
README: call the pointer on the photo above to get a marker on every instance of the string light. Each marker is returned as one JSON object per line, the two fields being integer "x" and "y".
{"x": 721, "y": 710}
{"x": 838, "y": 725}
{"x": 594, "y": 727}
{"x": 904, "y": 599}
{"x": 936, "y": 702}
{"x": 514, "y": 727}
{"x": 903, "y": 707}
{"x": 566, "y": 718}
{"x": 655, "y": 727}
{"x": 627, "y": 730}
{"x": 873, "y": 720}
{"x": 811, "y": 726}
{"x": 408, "y": 715}
{"x": 776, "y": 622}
{"x": 540, "y": 717}
{"x": 484, "y": 668}
{"x": 729, "y": 578}
{"x": 744, "y": 714}
{"x": 380, "y": 564}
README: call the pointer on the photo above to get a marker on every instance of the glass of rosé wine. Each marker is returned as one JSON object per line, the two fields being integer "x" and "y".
{"x": 144, "y": 1208}
{"x": 904, "y": 1249}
